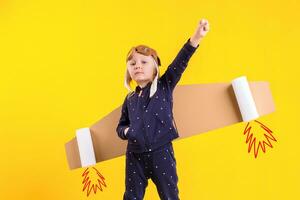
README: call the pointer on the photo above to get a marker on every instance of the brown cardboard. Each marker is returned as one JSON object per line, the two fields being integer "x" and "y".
{"x": 196, "y": 109}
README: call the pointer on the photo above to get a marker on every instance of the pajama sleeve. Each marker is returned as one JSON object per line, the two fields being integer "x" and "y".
{"x": 123, "y": 121}
{"x": 174, "y": 71}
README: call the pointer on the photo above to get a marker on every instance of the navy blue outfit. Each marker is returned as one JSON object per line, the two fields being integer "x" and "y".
{"x": 151, "y": 130}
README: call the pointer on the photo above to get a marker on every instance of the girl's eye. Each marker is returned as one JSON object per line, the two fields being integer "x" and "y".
{"x": 144, "y": 62}
{"x": 132, "y": 64}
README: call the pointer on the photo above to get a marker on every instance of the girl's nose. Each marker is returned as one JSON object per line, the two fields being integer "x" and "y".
{"x": 137, "y": 67}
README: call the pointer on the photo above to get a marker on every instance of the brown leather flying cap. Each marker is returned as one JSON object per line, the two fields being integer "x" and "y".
{"x": 145, "y": 50}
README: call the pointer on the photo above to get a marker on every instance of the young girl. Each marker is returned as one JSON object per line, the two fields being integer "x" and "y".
{"x": 147, "y": 120}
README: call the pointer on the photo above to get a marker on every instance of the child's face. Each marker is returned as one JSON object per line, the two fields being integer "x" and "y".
{"x": 141, "y": 68}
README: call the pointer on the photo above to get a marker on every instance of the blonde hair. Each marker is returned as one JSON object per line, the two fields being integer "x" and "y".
{"x": 153, "y": 87}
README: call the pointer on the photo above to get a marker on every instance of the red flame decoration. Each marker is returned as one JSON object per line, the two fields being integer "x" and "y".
{"x": 92, "y": 186}
{"x": 252, "y": 140}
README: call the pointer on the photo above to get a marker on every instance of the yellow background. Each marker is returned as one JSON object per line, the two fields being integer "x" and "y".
{"x": 62, "y": 68}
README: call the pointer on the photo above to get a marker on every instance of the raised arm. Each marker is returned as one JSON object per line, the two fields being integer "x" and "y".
{"x": 174, "y": 71}
{"x": 124, "y": 121}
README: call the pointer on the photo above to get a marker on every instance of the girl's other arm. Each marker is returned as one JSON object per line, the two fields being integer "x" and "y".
{"x": 179, "y": 64}
{"x": 174, "y": 71}
{"x": 124, "y": 121}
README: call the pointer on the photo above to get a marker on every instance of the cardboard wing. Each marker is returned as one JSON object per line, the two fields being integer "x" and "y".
{"x": 197, "y": 109}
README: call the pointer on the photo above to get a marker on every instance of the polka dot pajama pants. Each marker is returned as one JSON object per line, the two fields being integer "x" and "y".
{"x": 159, "y": 165}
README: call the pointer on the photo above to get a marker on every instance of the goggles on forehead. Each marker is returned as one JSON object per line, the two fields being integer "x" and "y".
{"x": 144, "y": 50}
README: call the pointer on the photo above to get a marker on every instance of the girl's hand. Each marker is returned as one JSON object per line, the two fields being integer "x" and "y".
{"x": 126, "y": 130}
{"x": 200, "y": 32}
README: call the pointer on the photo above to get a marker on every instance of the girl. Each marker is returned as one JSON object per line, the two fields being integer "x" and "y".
{"x": 147, "y": 120}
